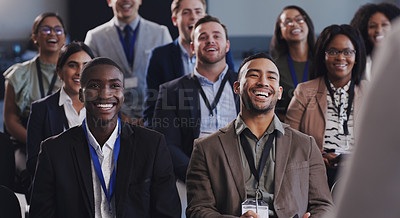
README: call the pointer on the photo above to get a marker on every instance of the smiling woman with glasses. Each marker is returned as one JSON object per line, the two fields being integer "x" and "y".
{"x": 292, "y": 48}
{"x": 33, "y": 79}
{"x": 326, "y": 106}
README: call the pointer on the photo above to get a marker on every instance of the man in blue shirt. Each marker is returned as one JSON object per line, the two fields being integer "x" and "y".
{"x": 200, "y": 103}
{"x": 175, "y": 59}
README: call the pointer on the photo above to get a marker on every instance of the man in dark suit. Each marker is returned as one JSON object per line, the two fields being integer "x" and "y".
{"x": 175, "y": 59}
{"x": 256, "y": 157}
{"x": 200, "y": 103}
{"x": 178, "y": 112}
{"x": 104, "y": 168}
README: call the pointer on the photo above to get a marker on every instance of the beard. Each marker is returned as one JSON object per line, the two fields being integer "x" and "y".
{"x": 213, "y": 60}
{"x": 252, "y": 107}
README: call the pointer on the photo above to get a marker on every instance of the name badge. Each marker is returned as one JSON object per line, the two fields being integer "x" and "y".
{"x": 131, "y": 82}
{"x": 260, "y": 207}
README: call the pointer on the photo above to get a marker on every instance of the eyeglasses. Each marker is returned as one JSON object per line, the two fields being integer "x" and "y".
{"x": 58, "y": 30}
{"x": 298, "y": 20}
{"x": 348, "y": 53}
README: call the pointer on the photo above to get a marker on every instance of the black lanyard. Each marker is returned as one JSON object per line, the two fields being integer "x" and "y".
{"x": 40, "y": 78}
{"x": 217, "y": 97}
{"x": 349, "y": 104}
{"x": 249, "y": 156}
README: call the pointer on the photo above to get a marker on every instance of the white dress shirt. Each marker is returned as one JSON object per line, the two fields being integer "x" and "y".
{"x": 74, "y": 118}
{"x": 106, "y": 159}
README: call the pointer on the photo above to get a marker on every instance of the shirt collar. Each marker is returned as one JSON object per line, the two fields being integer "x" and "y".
{"x": 276, "y": 124}
{"x": 203, "y": 80}
{"x": 110, "y": 141}
{"x": 183, "y": 50}
{"x": 121, "y": 25}
{"x": 345, "y": 87}
{"x": 64, "y": 98}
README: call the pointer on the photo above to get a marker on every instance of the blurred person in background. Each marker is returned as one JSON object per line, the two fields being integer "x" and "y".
{"x": 374, "y": 21}
{"x": 292, "y": 47}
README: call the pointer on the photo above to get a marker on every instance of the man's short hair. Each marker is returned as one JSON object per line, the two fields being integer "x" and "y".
{"x": 252, "y": 57}
{"x": 176, "y": 5}
{"x": 94, "y": 62}
{"x": 206, "y": 19}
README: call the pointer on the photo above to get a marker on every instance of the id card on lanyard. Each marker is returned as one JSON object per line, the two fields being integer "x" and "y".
{"x": 257, "y": 205}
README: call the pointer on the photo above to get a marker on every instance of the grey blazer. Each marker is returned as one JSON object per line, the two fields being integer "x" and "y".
{"x": 104, "y": 41}
{"x": 215, "y": 182}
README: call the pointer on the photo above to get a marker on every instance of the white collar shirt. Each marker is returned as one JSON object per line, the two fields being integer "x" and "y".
{"x": 106, "y": 159}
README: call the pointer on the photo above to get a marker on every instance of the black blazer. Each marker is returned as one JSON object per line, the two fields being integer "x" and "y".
{"x": 177, "y": 116}
{"x": 46, "y": 119}
{"x": 165, "y": 65}
{"x": 145, "y": 183}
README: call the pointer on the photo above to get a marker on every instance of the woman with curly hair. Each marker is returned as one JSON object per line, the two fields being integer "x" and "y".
{"x": 374, "y": 21}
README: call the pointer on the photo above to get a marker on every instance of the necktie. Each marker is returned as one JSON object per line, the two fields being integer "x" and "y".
{"x": 128, "y": 43}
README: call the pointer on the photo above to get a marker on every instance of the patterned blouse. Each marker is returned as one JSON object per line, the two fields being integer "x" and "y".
{"x": 335, "y": 118}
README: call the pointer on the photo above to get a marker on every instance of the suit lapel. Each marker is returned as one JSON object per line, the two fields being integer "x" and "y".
{"x": 113, "y": 40}
{"x": 194, "y": 104}
{"x": 82, "y": 164}
{"x": 177, "y": 60}
{"x": 283, "y": 143}
{"x": 56, "y": 115}
{"x": 321, "y": 98}
{"x": 229, "y": 144}
{"x": 127, "y": 150}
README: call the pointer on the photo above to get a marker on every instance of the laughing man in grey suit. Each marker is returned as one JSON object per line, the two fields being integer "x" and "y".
{"x": 130, "y": 48}
{"x": 292, "y": 182}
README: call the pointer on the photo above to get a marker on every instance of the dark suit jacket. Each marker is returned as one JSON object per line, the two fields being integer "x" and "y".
{"x": 46, "y": 119}
{"x": 165, "y": 65}
{"x": 145, "y": 183}
{"x": 215, "y": 182}
{"x": 177, "y": 116}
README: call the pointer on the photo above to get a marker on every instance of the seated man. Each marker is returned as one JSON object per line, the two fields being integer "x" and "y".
{"x": 190, "y": 106}
{"x": 257, "y": 157}
{"x": 175, "y": 59}
{"x": 105, "y": 167}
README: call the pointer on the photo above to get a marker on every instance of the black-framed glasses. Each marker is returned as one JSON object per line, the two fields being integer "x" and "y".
{"x": 58, "y": 30}
{"x": 348, "y": 53}
{"x": 298, "y": 19}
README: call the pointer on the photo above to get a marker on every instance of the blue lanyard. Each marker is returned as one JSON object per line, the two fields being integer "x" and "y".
{"x": 97, "y": 165}
{"x": 128, "y": 52}
{"x": 293, "y": 72}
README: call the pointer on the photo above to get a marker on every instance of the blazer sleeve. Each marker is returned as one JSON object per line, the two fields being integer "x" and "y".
{"x": 165, "y": 121}
{"x": 43, "y": 193}
{"x": 296, "y": 108}
{"x": 319, "y": 196}
{"x": 35, "y": 135}
{"x": 166, "y": 202}
{"x": 200, "y": 195}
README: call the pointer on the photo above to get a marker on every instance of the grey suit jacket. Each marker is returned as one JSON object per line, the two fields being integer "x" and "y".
{"x": 104, "y": 41}
{"x": 215, "y": 181}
